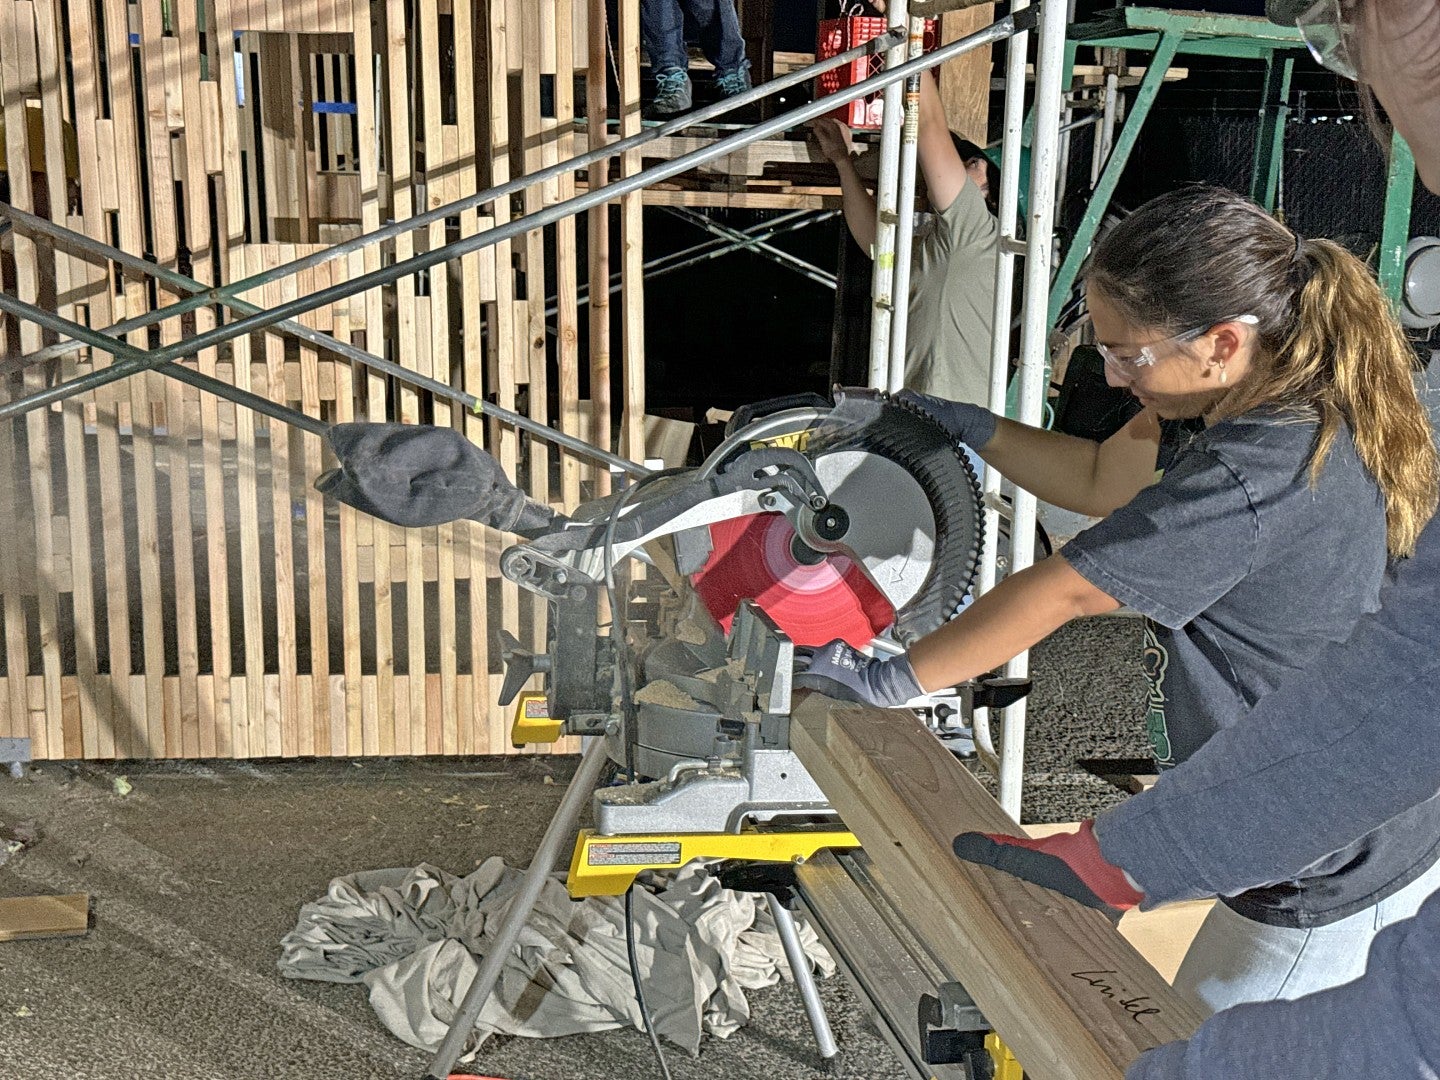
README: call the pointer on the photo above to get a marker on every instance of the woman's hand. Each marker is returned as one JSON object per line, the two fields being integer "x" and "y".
{"x": 833, "y": 138}
{"x": 843, "y": 672}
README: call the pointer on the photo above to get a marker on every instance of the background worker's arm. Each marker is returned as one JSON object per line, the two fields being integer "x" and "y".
{"x": 857, "y": 204}
{"x": 941, "y": 163}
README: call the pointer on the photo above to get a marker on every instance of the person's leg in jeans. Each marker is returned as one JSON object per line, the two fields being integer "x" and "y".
{"x": 662, "y": 31}
{"x": 720, "y": 40}
{"x": 1235, "y": 960}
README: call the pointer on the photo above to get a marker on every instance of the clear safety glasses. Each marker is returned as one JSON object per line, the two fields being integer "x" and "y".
{"x": 1145, "y": 356}
{"x": 1329, "y": 35}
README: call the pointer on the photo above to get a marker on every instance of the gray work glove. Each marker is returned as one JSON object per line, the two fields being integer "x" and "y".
{"x": 841, "y": 671}
{"x": 969, "y": 424}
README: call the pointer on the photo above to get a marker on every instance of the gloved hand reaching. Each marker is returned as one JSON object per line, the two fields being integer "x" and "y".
{"x": 841, "y": 671}
{"x": 1069, "y": 863}
{"x": 969, "y": 424}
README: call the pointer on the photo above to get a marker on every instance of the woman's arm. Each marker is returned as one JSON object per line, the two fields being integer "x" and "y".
{"x": 1077, "y": 474}
{"x": 1023, "y": 609}
{"x": 944, "y": 169}
{"x": 834, "y": 142}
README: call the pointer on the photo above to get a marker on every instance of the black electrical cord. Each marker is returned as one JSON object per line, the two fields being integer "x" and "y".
{"x": 635, "y": 978}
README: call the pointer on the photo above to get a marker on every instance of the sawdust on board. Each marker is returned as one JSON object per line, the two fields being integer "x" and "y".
{"x": 735, "y": 668}
{"x": 690, "y": 632}
{"x": 664, "y": 693}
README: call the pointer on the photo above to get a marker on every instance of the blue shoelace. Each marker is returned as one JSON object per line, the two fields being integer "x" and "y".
{"x": 732, "y": 82}
{"x": 670, "y": 83}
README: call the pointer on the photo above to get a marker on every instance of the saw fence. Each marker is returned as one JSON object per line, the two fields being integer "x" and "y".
{"x": 172, "y": 583}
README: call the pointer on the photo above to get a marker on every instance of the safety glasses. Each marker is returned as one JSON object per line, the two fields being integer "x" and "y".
{"x": 1329, "y": 35}
{"x": 1146, "y": 355}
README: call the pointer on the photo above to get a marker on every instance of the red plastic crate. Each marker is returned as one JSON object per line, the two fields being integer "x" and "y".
{"x": 836, "y": 36}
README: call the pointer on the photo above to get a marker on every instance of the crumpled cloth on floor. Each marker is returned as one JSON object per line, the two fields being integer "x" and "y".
{"x": 414, "y": 938}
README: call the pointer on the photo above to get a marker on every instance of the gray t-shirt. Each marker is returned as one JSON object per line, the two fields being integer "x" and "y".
{"x": 952, "y": 297}
{"x": 1245, "y": 572}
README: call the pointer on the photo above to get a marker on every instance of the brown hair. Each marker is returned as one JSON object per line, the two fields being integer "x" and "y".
{"x": 1328, "y": 344}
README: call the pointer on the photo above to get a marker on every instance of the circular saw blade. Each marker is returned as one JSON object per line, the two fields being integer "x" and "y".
{"x": 915, "y": 524}
{"x": 753, "y": 559}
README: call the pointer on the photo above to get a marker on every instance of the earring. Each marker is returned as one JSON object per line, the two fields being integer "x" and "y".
{"x": 1223, "y": 373}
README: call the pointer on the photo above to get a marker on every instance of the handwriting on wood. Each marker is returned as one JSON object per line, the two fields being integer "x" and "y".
{"x": 1072, "y": 999}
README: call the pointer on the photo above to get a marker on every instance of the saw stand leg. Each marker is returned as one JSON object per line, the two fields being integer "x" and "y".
{"x": 804, "y": 978}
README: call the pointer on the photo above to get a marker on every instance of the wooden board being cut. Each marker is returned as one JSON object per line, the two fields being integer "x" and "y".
{"x": 1071, "y": 998}
{"x": 23, "y": 917}
{"x": 1161, "y": 936}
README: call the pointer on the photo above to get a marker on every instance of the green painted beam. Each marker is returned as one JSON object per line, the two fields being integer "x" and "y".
{"x": 1270, "y": 137}
{"x": 1395, "y": 233}
{"x": 1110, "y": 175}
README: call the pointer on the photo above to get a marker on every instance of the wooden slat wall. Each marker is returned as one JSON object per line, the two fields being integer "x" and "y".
{"x": 173, "y": 585}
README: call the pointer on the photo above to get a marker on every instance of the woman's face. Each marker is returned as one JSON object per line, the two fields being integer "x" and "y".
{"x": 1399, "y": 57}
{"x": 1185, "y": 380}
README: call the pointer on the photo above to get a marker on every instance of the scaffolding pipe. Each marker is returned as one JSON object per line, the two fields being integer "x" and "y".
{"x": 423, "y": 261}
{"x": 61, "y": 325}
{"x": 905, "y": 219}
{"x": 1034, "y": 347}
{"x": 45, "y": 227}
{"x": 887, "y": 193}
{"x": 604, "y": 151}
{"x": 1007, "y": 250}
{"x": 713, "y": 248}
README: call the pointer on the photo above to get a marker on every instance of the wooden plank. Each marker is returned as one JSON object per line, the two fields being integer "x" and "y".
{"x": 503, "y": 359}
{"x": 472, "y": 542}
{"x": 632, "y": 259}
{"x": 250, "y": 719}
{"x": 1063, "y": 989}
{"x": 598, "y": 225}
{"x": 39, "y": 285}
{"x": 567, "y": 315}
{"x": 314, "y": 738}
{"x": 363, "y": 732}
{"x": 26, "y": 917}
{"x": 965, "y": 81}
{"x": 282, "y": 520}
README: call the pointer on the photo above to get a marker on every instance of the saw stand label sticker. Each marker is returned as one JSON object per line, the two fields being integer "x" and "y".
{"x": 633, "y": 853}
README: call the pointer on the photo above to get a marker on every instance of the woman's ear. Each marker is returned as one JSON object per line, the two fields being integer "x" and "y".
{"x": 1228, "y": 341}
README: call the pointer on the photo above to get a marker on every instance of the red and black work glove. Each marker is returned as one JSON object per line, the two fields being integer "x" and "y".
{"x": 1068, "y": 863}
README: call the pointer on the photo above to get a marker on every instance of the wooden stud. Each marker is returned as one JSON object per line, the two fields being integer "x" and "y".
{"x": 598, "y": 223}
{"x": 632, "y": 262}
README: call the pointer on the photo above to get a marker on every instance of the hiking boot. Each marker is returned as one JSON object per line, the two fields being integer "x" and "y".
{"x": 734, "y": 82}
{"x": 672, "y": 93}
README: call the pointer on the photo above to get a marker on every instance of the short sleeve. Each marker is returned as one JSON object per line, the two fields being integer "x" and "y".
{"x": 1177, "y": 547}
{"x": 965, "y": 223}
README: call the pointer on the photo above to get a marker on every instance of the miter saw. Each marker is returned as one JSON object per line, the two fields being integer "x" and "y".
{"x": 676, "y": 608}
{"x": 858, "y": 520}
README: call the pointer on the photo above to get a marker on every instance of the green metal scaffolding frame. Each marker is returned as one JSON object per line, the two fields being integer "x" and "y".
{"x": 1167, "y": 34}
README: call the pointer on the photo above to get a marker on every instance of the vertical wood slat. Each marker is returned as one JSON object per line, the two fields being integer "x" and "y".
{"x": 632, "y": 264}
{"x": 187, "y": 521}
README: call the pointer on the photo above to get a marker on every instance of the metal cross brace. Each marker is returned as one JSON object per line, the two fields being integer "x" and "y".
{"x": 746, "y": 239}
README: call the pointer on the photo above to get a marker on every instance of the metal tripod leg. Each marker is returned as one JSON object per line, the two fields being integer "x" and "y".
{"x": 561, "y": 828}
{"x": 804, "y": 979}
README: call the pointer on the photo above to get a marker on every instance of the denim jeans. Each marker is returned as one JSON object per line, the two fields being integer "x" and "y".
{"x": 717, "y": 27}
{"x": 1234, "y": 959}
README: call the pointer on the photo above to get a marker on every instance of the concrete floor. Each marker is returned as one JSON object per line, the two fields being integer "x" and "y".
{"x": 198, "y": 872}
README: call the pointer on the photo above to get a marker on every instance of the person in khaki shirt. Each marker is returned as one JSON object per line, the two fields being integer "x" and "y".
{"x": 953, "y": 260}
